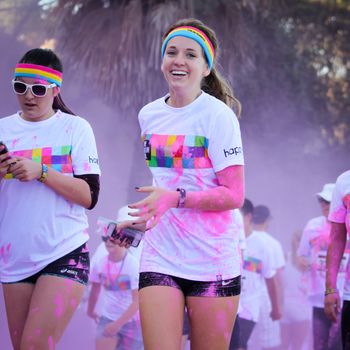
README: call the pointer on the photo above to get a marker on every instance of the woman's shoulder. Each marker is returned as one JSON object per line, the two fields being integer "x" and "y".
{"x": 159, "y": 102}
{"x": 8, "y": 118}
{"x": 72, "y": 119}
{"x": 217, "y": 107}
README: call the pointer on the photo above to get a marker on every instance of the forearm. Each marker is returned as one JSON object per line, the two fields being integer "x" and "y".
{"x": 93, "y": 297}
{"x": 335, "y": 253}
{"x": 128, "y": 314}
{"x": 72, "y": 189}
{"x": 215, "y": 199}
{"x": 272, "y": 289}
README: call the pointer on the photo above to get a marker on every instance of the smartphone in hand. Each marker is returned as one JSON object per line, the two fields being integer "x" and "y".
{"x": 4, "y": 150}
{"x": 128, "y": 235}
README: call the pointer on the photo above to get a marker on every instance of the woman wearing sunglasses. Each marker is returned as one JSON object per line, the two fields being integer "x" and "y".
{"x": 48, "y": 177}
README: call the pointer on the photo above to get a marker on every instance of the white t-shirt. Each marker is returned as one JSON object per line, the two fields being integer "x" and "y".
{"x": 277, "y": 254}
{"x": 184, "y": 147}
{"x": 313, "y": 246}
{"x": 257, "y": 265}
{"x": 38, "y": 226}
{"x": 278, "y": 261}
{"x": 340, "y": 213}
{"x": 239, "y": 227}
{"x": 118, "y": 280}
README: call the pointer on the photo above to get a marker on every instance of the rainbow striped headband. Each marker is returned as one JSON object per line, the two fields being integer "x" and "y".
{"x": 197, "y": 35}
{"x": 37, "y": 71}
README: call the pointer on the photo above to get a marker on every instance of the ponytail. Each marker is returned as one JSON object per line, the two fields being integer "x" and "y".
{"x": 215, "y": 85}
{"x": 59, "y": 104}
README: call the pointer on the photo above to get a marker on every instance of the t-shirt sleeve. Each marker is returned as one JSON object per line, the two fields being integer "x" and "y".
{"x": 280, "y": 260}
{"x": 225, "y": 144}
{"x": 84, "y": 151}
{"x": 337, "y": 210}
{"x": 268, "y": 270}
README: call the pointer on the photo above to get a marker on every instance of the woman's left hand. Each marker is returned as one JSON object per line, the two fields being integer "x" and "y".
{"x": 151, "y": 208}
{"x": 25, "y": 169}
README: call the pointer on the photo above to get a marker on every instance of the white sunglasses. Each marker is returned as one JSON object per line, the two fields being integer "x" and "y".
{"x": 38, "y": 90}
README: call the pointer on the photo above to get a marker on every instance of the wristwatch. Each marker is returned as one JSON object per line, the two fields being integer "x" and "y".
{"x": 182, "y": 198}
{"x": 44, "y": 171}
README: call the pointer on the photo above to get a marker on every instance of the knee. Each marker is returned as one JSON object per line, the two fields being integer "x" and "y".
{"x": 36, "y": 341}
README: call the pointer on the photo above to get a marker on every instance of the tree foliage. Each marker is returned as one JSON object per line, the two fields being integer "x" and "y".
{"x": 288, "y": 60}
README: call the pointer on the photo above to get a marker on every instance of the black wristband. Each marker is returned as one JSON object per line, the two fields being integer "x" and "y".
{"x": 182, "y": 198}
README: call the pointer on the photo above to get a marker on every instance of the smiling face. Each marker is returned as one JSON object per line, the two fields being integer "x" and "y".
{"x": 36, "y": 108}
{"x": 184, "y": 66}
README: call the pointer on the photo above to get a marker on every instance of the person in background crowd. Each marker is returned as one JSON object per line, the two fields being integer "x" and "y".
{"x": 312, "y": 257}
{"x": 257, "y": 271}
{"x": 268, "y": 328}
{"x": 338, "y": 258}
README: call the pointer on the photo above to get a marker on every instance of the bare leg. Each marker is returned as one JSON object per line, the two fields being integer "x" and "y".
{"x": 106, "y": 343}
{"x": 53, "y": 303}
{"x": 17, "y": 298}
{"x": 162, "y": 317}
{"x": 212, "y": 321}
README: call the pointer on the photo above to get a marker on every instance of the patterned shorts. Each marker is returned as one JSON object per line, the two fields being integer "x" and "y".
{"x": 74, "y": 265}
{"x": 218, "y": 288}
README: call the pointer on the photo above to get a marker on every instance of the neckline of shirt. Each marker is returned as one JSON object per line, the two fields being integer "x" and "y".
{"x": 41, "y": 122}
{"x": 193, "y": 104}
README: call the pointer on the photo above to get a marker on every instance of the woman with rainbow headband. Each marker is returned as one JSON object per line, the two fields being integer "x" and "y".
{"x": 192, "y": 145}
{"x": 49, "y": 174}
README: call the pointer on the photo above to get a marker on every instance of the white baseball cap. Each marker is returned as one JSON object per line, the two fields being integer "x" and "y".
{"x": 326, "y": 192}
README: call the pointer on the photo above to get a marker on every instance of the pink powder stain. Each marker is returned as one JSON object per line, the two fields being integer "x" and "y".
{"x": 87, "y": 166}
{"x": 59, "y": 306}
{"x": 34, "y": 310}
{"x": 69, "y": 283}
{"x": 51, "y": 343}
{"x": 5, "y": 252}
{"x": 86, "y": 232}
{"x": 14, "y": 142}
{"x": 221, "y": 320}
{"x": 86, "y": 248}
{"x": 74, "y": 303}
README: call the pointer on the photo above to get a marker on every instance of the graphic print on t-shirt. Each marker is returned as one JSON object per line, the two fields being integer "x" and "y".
{"x": 58, "y": 158}
{"x": 176, "y": 151}
{"x": 119, "y": 283}
{"x": 252, "y": 264}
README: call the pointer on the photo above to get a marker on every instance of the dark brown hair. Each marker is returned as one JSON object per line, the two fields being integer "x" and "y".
{"x": 214, "y": 84}
{"x": 47, "y": 58}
